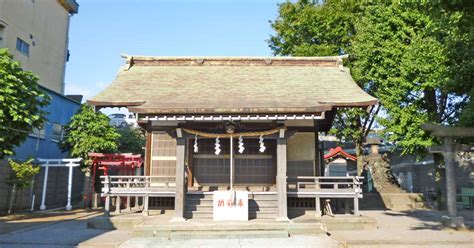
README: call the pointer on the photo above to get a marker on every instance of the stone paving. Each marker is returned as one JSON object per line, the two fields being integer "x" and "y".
{"x": 412, "y": 228}
{"x": 420, "y": 228}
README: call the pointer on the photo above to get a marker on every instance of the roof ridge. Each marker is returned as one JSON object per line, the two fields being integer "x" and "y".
{"x": 146, "y": 57}
{"x": 332, "y": 61}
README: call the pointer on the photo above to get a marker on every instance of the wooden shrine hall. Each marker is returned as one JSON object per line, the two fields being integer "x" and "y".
{"x": 234, "y": 137}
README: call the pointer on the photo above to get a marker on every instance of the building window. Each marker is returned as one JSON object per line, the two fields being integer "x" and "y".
{"x": 22, "y": 47}
{"x": 38, "y": 133}
{"x": 2, "y": 28}
{"x": 57, "y": 132}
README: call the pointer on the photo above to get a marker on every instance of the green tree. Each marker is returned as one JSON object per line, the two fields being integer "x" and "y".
{"x": 131, "y": 140}
{"x": 408, "y": 53}
{"x": 89, "y": 131}
{"x": 416, "y": 58}
{"x": 20, "y": 177}
{"x": 306, "y": 28}
{"x": 21, "y": 104}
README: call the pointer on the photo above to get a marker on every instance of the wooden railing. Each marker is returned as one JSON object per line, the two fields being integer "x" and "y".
{"x": 136, "y": 185}
{"x": 326, "y": 187}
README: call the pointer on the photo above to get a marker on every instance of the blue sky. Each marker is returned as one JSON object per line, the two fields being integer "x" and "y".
{"x": 105, "y": 29}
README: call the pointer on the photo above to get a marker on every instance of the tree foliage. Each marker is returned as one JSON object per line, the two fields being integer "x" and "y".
{"x": 416, "y": 58}
{"x": 21, "y": 104}
{"x": 22, "y": 174}
{"x": 89, "y": 131}
{"x": 131, "y": 140}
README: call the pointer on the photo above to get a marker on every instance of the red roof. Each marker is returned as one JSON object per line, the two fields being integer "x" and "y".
{"x": 117, "y": 159}
{"x": 333, "y": 152}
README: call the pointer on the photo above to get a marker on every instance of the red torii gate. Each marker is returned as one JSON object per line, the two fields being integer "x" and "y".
{"x": 104, "y": 161}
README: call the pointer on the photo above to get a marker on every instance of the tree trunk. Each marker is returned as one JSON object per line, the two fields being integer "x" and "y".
{"x": 12, "y": 199}
{"x": 359, "y": 152}
{"x": 86, "y": 197}
{"x": 440, "y": 181}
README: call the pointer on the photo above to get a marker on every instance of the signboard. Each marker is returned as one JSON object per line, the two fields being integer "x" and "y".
{"x": 230, "y": 205}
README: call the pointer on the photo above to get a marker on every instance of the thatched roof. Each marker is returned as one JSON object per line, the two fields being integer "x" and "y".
{"x": 230, "y": 85}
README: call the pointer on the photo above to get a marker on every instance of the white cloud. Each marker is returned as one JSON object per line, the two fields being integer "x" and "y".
{"x": 86, "y": 92}
{"x": 74, "y": 89}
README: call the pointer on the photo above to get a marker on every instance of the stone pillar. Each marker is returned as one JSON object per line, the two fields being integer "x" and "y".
{"x": 45, "y": 187}
{"x": 450, "y": 177}
{"x": 179, "y": 198}
{"x": 137, "y": 173}
{"x": 452, "y": 220}
{"x": 318, "y": 206}
{"x": 118, "y": 204}
{"x": 107, "y": 206}
{"x": 281, "y": 177}
{"x": 69, "y": 189}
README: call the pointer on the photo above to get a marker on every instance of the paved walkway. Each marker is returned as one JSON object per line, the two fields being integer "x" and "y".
{"x": 300, "y": 241}
{"x": 394, "y": 229}
{"x": 417, "y": 228}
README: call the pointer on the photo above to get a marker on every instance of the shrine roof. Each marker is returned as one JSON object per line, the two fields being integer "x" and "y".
{"x": 229, "y": 85}
{"x": 338, "y": 151}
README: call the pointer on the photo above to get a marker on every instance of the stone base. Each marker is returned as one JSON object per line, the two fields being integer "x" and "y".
{"x": 455, "y": 222}
{"x": 178, "y": 219}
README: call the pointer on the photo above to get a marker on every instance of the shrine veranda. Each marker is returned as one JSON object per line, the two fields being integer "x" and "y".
{"x": 244, "y": 127}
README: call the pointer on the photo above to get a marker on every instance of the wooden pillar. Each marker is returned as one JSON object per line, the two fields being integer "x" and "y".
{"x": 281, "y": 177}
{"x": 179, "y": 198}
{"x": 147, "y": 169}
{"x": 317, "y": 157}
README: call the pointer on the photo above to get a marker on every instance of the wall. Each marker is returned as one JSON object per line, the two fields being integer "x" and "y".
{"x": 424, "y": 170}
{"x": 60, "y": 111}
{"x": 56, "y": 189}
{"x": 300, "y": 152}
{"x": 43, "y": 24}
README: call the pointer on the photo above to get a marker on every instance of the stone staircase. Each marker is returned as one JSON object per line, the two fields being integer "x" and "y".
{"x": 224, "y": 230}
{"x": 261, "y": 206}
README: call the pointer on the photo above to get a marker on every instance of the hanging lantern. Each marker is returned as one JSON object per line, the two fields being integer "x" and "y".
{"x": 196, "y": 149}
{"x": 262, "y": 145}
{"x": 241, "y": 145}
{"x": 217, "y": 146}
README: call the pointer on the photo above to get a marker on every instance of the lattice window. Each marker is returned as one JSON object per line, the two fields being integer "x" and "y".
{"x": 251, "y": 167}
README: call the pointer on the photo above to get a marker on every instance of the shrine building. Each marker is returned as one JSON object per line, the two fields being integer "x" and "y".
{"x": 233, "y": 124}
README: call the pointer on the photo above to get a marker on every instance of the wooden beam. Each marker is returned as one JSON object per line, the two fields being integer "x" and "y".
{"x": 180, "y": 196}
{"x": 445, "y": 131}
{"x": 281, "y": 177}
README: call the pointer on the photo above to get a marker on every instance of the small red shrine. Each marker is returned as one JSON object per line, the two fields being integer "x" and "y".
{"x": 338, "y": 151}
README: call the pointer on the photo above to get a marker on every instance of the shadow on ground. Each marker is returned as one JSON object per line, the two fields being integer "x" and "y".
{"x": 47, "y": 229}
{"x": 431, "y": 219}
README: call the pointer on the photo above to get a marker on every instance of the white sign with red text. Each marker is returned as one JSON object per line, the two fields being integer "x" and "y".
{"x": 231, "y": 205}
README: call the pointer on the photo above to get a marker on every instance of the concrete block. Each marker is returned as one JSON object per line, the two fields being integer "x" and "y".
{"x": 454, "y": 222}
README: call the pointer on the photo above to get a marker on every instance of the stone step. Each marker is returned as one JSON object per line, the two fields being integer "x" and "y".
{"x": 251, "y": 196}
{"x": 210, "y": 208}
{"x": 230, "y": 234}
{"x": 209, "y": 215}
{"x": 228, "y": 230}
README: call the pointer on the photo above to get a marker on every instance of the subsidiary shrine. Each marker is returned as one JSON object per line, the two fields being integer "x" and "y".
{"x": 233, "y": 138}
